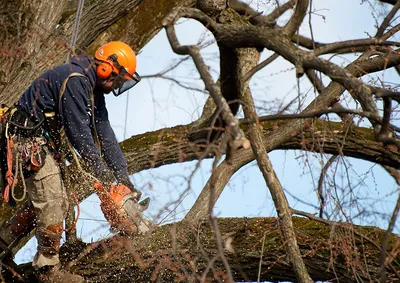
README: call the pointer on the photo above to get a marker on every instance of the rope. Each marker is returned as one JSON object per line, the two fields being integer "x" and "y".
{"x": 18, "y": 169}
{"x": 9, "y": 173}
{"x": 75, "y": 29}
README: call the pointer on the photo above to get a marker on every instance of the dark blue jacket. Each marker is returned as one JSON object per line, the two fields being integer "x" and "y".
{"x": 43, "y": 95}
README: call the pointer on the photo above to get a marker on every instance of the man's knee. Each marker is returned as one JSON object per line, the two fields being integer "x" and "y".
{"x": 50, "y": 200}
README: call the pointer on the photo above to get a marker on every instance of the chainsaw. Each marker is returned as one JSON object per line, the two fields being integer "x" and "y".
{"x": 122, "y": 210}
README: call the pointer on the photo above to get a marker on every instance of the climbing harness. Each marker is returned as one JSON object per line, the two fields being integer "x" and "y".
{"x": 20, "y": 154}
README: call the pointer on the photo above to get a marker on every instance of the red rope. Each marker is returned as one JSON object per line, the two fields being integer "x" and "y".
{"x": 9, "y": 173}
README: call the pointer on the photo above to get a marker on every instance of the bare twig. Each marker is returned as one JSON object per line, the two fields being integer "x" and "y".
{"x": 330, "y": 223}
{"x": 371, "y": 116}
{"x": 353, "y": 44}
{"x": 257, "y": 68}
{"x": 214, "y": 224}
{"x": 320, "y": 184}
{"x": 261, "y": 258}
{"x": 387, "y": 19}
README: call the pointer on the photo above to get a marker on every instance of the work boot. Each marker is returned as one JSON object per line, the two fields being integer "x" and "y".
{"x": 48, "y": 246}
{"x": 53, "y": 274}
{"x": 46, "y": 260}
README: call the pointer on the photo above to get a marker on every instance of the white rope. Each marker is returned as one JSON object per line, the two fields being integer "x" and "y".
{"x": 18, "y": 170}
{"x": 75, "y": 29}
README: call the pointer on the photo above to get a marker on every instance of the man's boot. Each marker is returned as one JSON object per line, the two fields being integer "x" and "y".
{"x": 47, "y": 257}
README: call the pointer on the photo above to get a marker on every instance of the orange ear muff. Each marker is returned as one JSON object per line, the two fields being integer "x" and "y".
{"x": 104, "y": 70}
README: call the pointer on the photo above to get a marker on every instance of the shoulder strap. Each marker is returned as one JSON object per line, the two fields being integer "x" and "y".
{"x": 64, "y": 85}
{"x": 62, "y": 90}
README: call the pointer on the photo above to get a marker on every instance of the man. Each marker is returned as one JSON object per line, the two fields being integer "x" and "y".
{"x": 74, "y": 94}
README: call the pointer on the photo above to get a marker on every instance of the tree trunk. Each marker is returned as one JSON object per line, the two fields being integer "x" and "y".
{"x": 39, "y": 32}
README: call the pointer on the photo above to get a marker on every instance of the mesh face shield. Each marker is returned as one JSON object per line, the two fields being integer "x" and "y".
{"x": 122, "y": 81}
{"x": 122, "y": 84}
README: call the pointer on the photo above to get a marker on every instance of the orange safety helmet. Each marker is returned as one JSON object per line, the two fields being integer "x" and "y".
{"x": 125, "y": 57}
{"x": 119, "y": 59}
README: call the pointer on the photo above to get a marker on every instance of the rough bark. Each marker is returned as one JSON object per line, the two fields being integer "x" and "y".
{"x": 176, "y": 252}
{"x": 34, "y": 44}
{"x": 154, "y": 149}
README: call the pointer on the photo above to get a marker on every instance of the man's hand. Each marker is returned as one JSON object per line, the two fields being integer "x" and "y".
{"x": 127, "y": 182}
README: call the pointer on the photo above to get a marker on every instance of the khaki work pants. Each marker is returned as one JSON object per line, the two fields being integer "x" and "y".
{"x": 50, "y": 202}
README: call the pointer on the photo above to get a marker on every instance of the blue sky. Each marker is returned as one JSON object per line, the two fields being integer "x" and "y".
{"x": 156, "y": 103}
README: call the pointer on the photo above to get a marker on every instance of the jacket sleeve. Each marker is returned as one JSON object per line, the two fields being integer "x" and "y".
{"x": 112, "y": 153}
{"x": 76, "y": 113}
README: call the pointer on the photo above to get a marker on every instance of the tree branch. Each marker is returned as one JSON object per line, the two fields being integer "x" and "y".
{"x": 285, "y": 133}
{"x": 297, "y": 18}
{"x": 239, "y": 139}
{"x": 278, "y": 195}
{"x": 387, "y": 19}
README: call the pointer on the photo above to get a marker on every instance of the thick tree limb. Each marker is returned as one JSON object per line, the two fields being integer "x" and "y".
{"x": 167, "y": 146}
{"x": 172, "y": 252}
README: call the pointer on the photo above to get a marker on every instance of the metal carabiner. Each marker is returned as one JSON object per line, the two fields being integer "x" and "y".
{"x": 7, "y": 124}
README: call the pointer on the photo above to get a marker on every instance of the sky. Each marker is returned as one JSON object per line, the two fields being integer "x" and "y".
{"x": 157, "y": 103}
